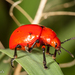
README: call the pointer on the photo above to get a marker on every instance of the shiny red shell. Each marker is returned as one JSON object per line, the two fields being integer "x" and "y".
{"x": 26, "y": 35}
{"x": 23, "y": 35}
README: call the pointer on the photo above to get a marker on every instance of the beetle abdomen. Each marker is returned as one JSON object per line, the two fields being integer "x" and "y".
{"x": 23, "y": 35}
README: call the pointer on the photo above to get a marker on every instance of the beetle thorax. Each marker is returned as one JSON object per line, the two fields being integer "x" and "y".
{"x": 47, "y": 35}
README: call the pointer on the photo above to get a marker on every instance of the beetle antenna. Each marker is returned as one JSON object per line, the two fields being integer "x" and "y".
{"x": 67, "y": 40}
{"x": 68, "y": 52}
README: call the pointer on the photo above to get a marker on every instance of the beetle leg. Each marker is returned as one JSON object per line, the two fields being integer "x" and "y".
{"x": 37, "y": 41}
{"x": 47, "y": 52}
{"x": 54, "y": 55}
{"x": 15, "y": 54}
{"x": 44, "y": 58}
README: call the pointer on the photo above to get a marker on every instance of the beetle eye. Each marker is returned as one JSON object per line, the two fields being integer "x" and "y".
{"x": 55, "y": 44}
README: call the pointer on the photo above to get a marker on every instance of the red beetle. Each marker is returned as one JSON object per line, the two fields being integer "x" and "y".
{"x": 27, "y": 37}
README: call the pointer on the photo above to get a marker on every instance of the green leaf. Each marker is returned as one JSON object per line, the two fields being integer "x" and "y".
{"x": 32, "y": 62}
{"x": 4, "y": 67}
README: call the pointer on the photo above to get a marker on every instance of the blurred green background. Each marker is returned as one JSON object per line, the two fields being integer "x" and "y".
{"x": 64, "y": 26}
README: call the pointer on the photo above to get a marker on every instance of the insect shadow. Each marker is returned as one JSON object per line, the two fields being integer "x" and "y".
{"x": 50, "y": 63}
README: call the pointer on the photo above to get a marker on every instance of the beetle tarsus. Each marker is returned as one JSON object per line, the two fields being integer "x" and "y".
{"x": 12, "y": 62}
{"x": 45, "y": 65}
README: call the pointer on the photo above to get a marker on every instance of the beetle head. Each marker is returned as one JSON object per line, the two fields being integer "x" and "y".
{"x": 56, "y": 43}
